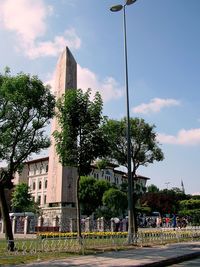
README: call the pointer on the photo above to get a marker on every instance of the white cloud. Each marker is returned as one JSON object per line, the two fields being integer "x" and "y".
{"x": 53, "y": 48}
{"x": 108, "y": 88}
{"x": 27, "y": 19}
{"x": 184, "y": 137}
{"x": 155, "y": 105}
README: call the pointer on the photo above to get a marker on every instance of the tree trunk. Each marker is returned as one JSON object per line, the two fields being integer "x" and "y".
{"x": 78, "y": 210}
{"x": 6, "y": 219}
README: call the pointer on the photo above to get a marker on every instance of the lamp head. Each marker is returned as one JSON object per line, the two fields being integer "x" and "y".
{"x": 116, "y": 8}
{"x": 130, "y": 2}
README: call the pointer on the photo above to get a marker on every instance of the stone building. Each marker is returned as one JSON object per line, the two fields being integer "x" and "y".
{"x": 35, "y": 174}
{"x": 114, "y": 175}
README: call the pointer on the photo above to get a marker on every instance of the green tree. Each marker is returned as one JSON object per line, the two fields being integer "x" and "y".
{"x": 164, "y": 201}
{"x": 191, "y": 207}
{"x": 80, "y": 139}
{"x": 152, "y": 188}
{"x": 87, "y": 195}
{"x": 144, "y": 145}
{"x": 116, "y": 202}
{"x": 195, "y": 196}
{"x": 190, "y": 204}
{"x": 124, "y": 187}
{"x": 101, "y": 187}
{"x": 90, "y": 193}
{"x": 22, "y": 200}
{"x": 26, "y": 106}
{"x": 101, "y": 164}
{"x": 178, "y": 190}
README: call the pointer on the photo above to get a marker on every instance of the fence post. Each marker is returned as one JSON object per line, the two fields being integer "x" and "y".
{"x": 102, "y": 224}
{"x": 88, "y": 226}
{"x": 2, "y": 227}
{"x": 26, "y": 230}
{"x": 112, "y": 225}
{"x": 14, "y": 224}
{"x": 72, "y": 225}
{"x": 55, "y": 221}
{"x": 124, "y": 225}
{"x": 40, "y": 221}
{"x": 98, "y": 225}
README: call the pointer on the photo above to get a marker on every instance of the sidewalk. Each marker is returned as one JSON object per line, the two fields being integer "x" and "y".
{"x": 20, "y": 236}
{"x": 155, "y": 256}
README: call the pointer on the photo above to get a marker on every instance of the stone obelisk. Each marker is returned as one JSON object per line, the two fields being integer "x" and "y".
{"x": 61, "y": 196}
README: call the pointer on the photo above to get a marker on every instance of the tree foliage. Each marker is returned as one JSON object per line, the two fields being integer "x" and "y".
{"x": 164, "y": 201}
{"x": 190, "y": 204}
{"x": 26, "y": 106}
{"x": 101, "y": 187}
{"x": 90, "y": 194}
{"x": 116, "y": 201}
{"x": 80, "y": 139}
{"x": 152, "y": 188}
{"x": 191, "y": 208}
{"x": 22, "y": 200}
{"x": 144, "y": 146}
{"x": 101, "y": 164}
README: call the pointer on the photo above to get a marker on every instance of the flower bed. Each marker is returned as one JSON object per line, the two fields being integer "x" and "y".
{"x": 144, "y": 235}
{"x": 84, "y": 234}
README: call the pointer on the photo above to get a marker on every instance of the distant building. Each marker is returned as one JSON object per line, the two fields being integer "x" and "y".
{"x": 35, "y": 174}
{"x": 117, "y": 177}
{"x": 109, "y": 173}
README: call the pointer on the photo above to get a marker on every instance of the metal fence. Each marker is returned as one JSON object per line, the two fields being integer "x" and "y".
{"x": 31, "y": 224}
{"x": 95, "y": 241}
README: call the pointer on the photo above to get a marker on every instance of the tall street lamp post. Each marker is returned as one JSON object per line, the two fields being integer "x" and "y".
{"x": 131, "y": 219}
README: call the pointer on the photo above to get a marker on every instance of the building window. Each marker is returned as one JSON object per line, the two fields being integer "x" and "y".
{"x": 45, "y": 185}
{"x": 40, "y": 185}
{"x": 47, "y": 168}
{"x": 40, "y": 169}
{"x": 45, "y": 199}
{"x": 39, "y": 200}
{"x": 33, "y": 185}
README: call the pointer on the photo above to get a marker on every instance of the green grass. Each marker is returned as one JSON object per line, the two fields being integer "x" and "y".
{"x": 30, "y": 250}
{"x": 21, "y": 259}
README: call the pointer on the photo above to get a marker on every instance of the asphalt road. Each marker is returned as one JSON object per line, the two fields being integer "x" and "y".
{"x": 195, "y": 262}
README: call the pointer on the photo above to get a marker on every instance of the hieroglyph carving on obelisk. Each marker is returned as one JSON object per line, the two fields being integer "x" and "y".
{"x": 62, "y": 180}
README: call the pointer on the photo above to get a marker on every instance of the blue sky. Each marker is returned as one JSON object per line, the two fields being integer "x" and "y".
{"x": 163, "y": 60}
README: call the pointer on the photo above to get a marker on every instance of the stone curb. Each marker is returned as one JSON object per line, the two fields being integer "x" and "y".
{"x": 173, "y": 260}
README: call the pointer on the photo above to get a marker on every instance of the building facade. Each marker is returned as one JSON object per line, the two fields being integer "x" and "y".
{"x": 35, "y": 174}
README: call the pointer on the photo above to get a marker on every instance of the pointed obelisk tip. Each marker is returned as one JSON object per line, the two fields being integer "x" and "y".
{"x": 69, "y": 53}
